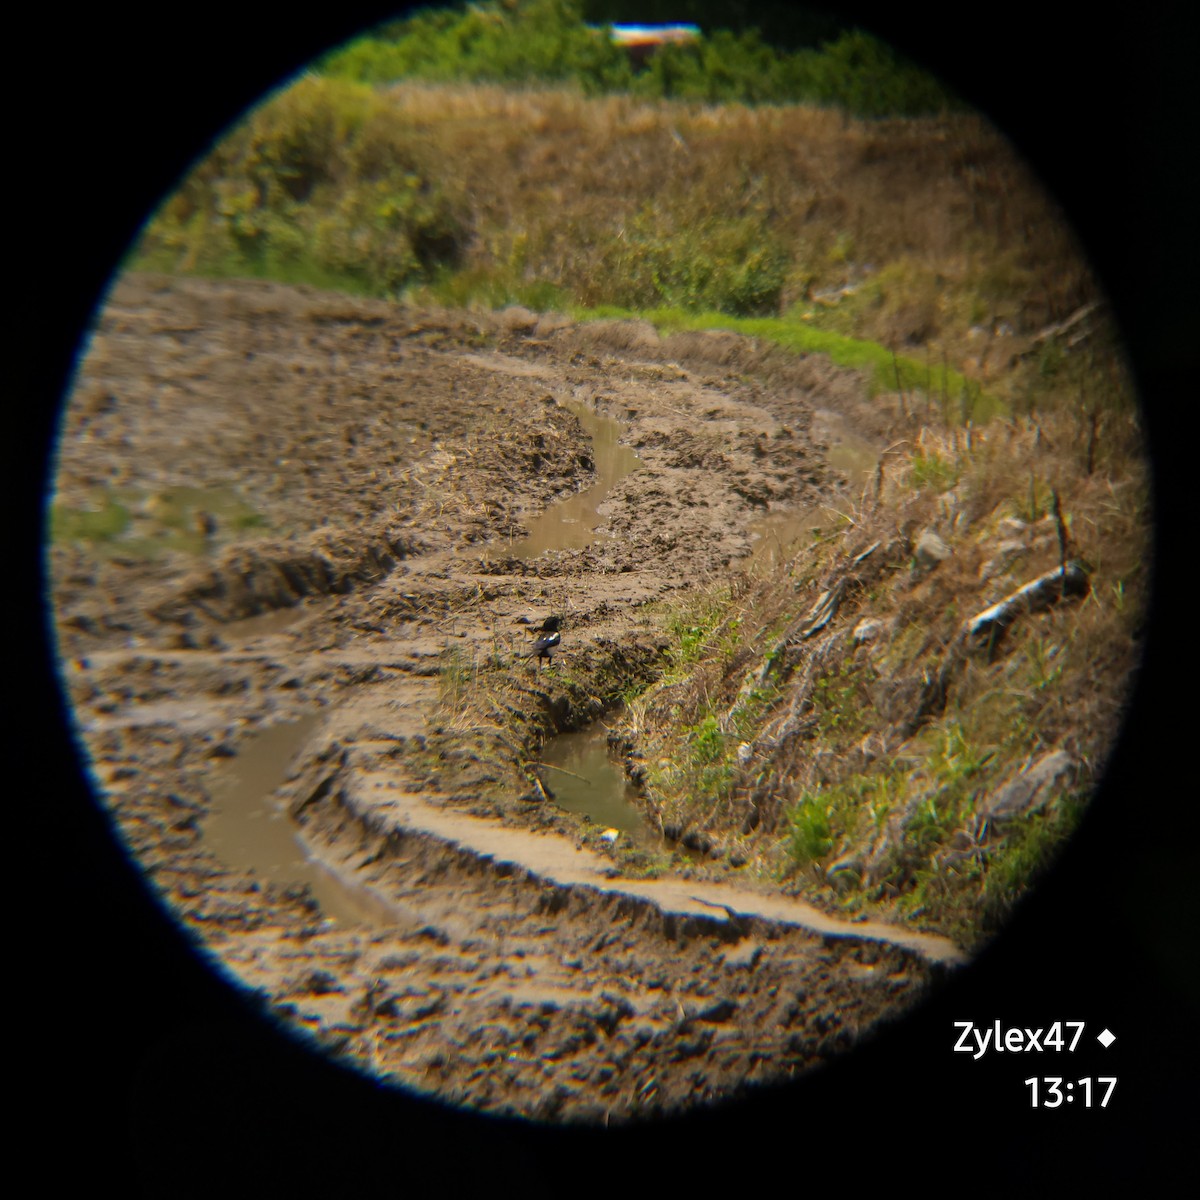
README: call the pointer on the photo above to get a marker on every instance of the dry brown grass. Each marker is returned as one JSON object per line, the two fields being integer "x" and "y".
{"x": 925, "y": 236}
{"x": 551, "y": 177}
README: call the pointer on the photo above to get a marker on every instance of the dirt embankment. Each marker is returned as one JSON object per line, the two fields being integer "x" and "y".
{"x": 391, "y": 459}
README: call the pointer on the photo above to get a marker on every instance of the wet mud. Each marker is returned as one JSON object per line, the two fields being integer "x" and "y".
{"x": 313, "y": 658}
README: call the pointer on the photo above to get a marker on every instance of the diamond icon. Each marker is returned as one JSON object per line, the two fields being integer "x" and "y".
{"x": 1106, "y": 1039}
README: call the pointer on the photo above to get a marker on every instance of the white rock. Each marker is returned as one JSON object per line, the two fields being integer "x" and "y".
{"x": 930, "y": 550}
{"x": 867, "y": 630}
{"x": 1032, "y": 789}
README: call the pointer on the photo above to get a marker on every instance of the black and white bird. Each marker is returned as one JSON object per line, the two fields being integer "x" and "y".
{"x": 544, "y": 647}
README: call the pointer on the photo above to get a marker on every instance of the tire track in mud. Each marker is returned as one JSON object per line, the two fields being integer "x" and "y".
{"x": 488, "y": 985}
{"x": 517, "y": 974}
{"x": 564, "y": 994}
{"x": 554, "y": 990}
{"x": 376, "y": 801}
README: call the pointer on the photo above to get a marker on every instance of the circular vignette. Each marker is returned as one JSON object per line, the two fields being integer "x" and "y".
{"x": 1112, "y": 272}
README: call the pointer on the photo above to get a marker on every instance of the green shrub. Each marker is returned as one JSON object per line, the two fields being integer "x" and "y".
{"x": 933, "y": 471}
{"x": 810, "y": 836}
{"x": 320, "y": 184}
{"x": 866, "y": 77}
{"x": 546, "y": 41}
{"x": 675, "y": 259}
{"x": 535, "y": 40}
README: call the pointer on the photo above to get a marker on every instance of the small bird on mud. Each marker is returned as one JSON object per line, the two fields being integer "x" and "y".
{"x": 544, "y": 647}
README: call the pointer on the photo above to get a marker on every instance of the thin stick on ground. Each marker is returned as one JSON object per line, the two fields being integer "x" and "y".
{"x": 563, "y": 771}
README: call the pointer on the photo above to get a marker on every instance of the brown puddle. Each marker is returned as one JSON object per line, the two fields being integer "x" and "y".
{"x": 582, "y": 778}
{"x": 854, "y": 456}
{"x": 247, "y": 830}
{"x": 570, "y": 524}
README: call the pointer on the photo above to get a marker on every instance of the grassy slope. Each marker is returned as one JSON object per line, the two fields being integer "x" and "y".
{"x": 919, "y": 250}
{"x": 923, "y": 237}
{"x": 809, "y": 758}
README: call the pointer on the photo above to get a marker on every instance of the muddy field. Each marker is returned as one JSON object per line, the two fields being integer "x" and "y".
{"x": 320, "y": 553}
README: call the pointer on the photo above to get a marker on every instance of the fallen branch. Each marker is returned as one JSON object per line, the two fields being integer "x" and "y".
{"x": 827, "y": 604}
{"x": 1068, "y": 580}
{"x": 822, "y": 612}
{"x": 987, "y": 627}
{"x": 1061, "y": 327}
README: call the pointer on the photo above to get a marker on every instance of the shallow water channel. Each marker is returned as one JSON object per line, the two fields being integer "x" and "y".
{"x": 247, "y": 830}
{"x": 571, "y": 524}
{"x": 578, "y": 770}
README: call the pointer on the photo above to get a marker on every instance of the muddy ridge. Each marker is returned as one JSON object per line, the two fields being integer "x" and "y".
{"x": 391, "y": 462}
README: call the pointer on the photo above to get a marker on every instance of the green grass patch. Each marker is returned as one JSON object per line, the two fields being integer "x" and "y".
{"x": 825, "y": 817}
{"x": 841, "y": 703}
{"x": 933, "y": 471}
{"x": 169, "y": 520}
{"x": 693, "y": 628}
{"x": 276, "y": 267}
{"x": 707, "y": 741}
{"x": 490, "y": 287}
{"x": 885, "y": 371}
{"x": 748, "y": 714}
{"x": 1029, "y": 847}
{"x": 809, "y": 829}
{"x": 106, "y": 520}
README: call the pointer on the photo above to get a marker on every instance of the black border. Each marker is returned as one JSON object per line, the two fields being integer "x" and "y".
{"x": 152, "y": 1072}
